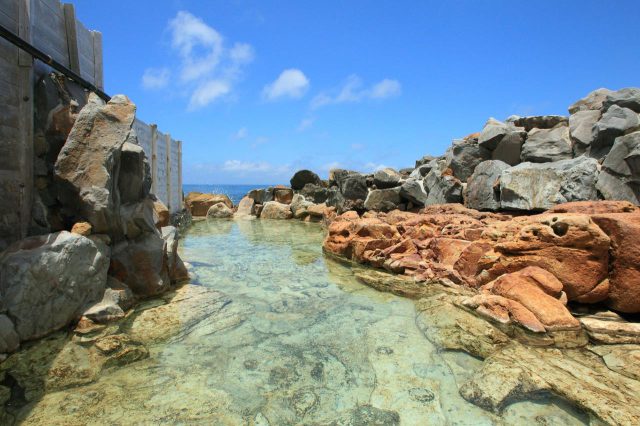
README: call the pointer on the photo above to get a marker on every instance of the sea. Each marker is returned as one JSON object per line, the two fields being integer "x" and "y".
{"x": 234, "y": 192}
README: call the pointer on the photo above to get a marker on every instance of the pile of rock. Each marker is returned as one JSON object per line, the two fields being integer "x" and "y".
{"x": 117, "y": 249}
{"x": 524, "y": 269}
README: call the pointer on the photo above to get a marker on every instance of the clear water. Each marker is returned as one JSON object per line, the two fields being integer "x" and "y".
{"x": 234, "y": 192}
{"x": 289, "y": 338}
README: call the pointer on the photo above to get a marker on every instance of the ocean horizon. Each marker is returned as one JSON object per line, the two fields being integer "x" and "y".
{"x": 234, "y": 191}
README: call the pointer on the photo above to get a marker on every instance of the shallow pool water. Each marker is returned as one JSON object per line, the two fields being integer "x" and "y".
{"x": 290, "y": 337}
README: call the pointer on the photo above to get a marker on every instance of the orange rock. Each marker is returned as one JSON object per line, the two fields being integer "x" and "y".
{"x": 538, "y": 291}
{"x": 82, "y": 228}
{"x": 162, "y": 214}
{"x": 199, "y": 203}
{"x": 504, "y": 311}
{"x": 570, "y": 246}
{"x": 595, "y": 207}
{"x": 624, "y": 280}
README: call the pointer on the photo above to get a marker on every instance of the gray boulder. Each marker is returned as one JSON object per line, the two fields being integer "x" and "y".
{"x": 442, "y": 188}
{"x": 260, "y": 195}
{"x": 335, "y": 199}
{"x": 614, "y": 187}
{"x": 387, "y": 178}
{"x": 483, "y": 187}
{"x": 626, "y": 98}
{"x": 176, "y": 268}
{"x": 422, "y": 170}
{"x": 303, "y": 177}
{"x": 509, "y": 149}
{"x": 9, "y": 339}
{"x": 141, "y": 264}
{"x": 424, "y": 160}
{"x": 134, "y": 177}
{"x": 316, "y": 193}
{"x": 540, "y": 121}
{"x": 540, "y": 186}
{"x": 615, "y": 122}
{"x": 466, "y": 154}
{"x": 492, "y": 133}
{"x": 413, "y": 190}
{"x": 383, "y": 200}
{"x": 47, "y": 281}
{"x": 299, "y": 206}
{"x": 593, "y": 101}
{"x": 354, "y": 187}
{"x": 86, "y": 168}
{"x": 337, "y": 175}
{"x": 545, "y": 145}
{"x": 620, "y": 178}
{"x": 581, "y": 130}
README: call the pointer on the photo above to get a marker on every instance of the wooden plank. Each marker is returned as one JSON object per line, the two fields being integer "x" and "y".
{"x": 9, "y": 94}
{"x": 181, "y": 193}
{"x": 72, "y": 37}
{"x": 10, "y": 115}
{"x": 8, "y": 21}
{"x": 97, "y": 60}
{"x": 25, "y": 62}
{"x": 167, "y": 140}
{"x": 154, "y": 158}
{"x": 9, "y": 8}
{"x": 8, "y": 52}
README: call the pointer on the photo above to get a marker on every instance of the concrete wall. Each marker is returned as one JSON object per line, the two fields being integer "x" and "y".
{"x": 165, "y": 160}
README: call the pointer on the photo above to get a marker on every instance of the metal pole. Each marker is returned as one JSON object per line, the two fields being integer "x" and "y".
{"x": 39, "y": 54}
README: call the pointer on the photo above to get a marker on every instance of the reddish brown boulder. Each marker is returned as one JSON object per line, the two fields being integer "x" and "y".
{"x": 624, "y": 280}
{"x": 595, "y": 207}
{"x": 199, "y": 203}
{"x": 162, "y": 216}
{"x": 570, "y": 246}
{"x": 283, "y": 195}
{"x": 81, "y": 228}
{"x": 540, "y": 292}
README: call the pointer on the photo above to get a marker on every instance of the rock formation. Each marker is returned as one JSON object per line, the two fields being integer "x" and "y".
{"x": 99, "y": 188}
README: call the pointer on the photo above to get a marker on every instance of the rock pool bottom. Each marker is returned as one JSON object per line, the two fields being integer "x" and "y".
{"x": 270, "y": 332}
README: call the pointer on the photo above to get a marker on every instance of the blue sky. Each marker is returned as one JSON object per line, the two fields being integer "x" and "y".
{"x": 258, "y": 89}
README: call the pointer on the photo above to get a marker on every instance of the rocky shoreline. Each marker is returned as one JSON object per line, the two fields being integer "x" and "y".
{"x": 525, "y": 232}
{"x": 523, "y": 237}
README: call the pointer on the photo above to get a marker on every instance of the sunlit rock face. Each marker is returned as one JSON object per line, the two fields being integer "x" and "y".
{"x": 287, "y": 336}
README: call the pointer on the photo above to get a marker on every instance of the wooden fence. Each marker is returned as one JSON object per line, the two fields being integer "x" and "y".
{"x": 53, "y": 28}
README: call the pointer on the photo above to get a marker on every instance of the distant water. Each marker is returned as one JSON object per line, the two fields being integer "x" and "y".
{"x": 234, "y": 192}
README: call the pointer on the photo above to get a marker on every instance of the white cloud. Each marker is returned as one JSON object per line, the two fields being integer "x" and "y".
{"x": 208, "y": 92}
{"x": 374, "y": 167}
{"x": 250, "y": 167}
{"x": 292, "y": 83}
{"x": 305, "y": 124}
{"x": 155, "y": 78}
{"x": 241, "y": 134}
{"x": 207, "y": 68}
{"x": 386, "y": 89}
{"x": 352, "y": 91}
{"x": 333, "y": 165}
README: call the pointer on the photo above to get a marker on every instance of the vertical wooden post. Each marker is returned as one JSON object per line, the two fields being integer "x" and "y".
{"x": 72, "y": 37}
{"x": 154, "y": 158}
{"x": 98, "y": 72}
{"x": 167, "y": 140}
{"x": 25, "y": 77}
{"x": 180, "y": 191}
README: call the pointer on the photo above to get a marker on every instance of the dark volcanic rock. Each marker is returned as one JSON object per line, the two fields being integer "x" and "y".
{"x": 303, "y": 177}
{"x": 615, "y": 122}
{"x": 540, "y": 121}
{"x": 466, "y": 155}
{"x": 483, "y": 187}
{"x": 386, "y": 178}
{"x": 626, "y": 98}
{"x": 544, "y": 145}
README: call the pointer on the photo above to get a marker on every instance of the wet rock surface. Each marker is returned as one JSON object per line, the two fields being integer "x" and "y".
{"x": 259, "y": 344}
